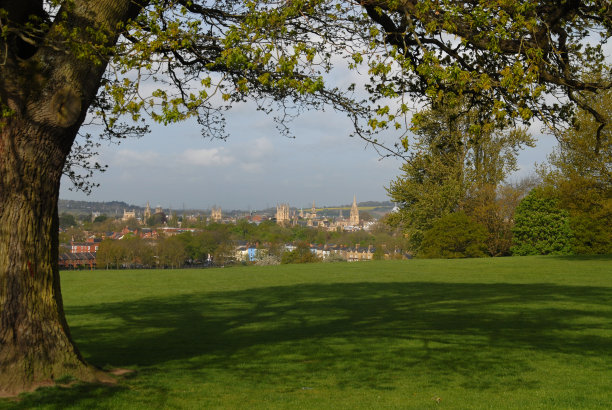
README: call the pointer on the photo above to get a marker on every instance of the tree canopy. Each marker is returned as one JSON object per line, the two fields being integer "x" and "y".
{"x": 458, "y": 160}
{"x": 524, "y": 59}
{"x": 579, "y": 176}
{"x": 179, "y": 59}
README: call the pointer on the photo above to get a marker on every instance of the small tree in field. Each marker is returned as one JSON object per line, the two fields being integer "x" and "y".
{"x": 541, "y": 227}
{"x": 454, "y": 236}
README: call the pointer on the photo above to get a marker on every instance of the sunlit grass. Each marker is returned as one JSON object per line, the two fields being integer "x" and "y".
{"x": 533, "y": 332}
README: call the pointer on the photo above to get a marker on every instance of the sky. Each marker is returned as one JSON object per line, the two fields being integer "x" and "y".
{"x": 255, "y": 168}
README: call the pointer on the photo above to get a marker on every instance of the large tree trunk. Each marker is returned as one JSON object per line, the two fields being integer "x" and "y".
{"x": 35, "y": 343}
{"x": 48, "y": 91}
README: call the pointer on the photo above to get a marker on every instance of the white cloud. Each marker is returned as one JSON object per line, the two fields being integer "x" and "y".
{"x": 261, "y": 147}
{"x": 135, "y": 158}
{"x": 211, "y": 157}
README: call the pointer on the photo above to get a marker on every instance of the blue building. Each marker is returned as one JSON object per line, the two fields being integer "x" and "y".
{"x": 252, "y": 254}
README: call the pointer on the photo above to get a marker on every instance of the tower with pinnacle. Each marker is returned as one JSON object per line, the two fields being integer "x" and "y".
{"x": 282, "y": 214}
{"x": 215, "y": 214}
{"x": 147, "y": 212}
{"x": 354, "y": 218}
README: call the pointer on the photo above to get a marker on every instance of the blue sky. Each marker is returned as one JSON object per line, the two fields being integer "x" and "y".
{"x": 255, "y": 168}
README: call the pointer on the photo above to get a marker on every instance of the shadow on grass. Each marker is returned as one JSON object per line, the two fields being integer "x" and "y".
{"x": 479, "y": 331}
{"x": 81, "y": 396}
{"x": 349, "y": 335}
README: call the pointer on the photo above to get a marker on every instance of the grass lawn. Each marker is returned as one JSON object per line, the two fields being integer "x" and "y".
{"x": 518, "y": 333}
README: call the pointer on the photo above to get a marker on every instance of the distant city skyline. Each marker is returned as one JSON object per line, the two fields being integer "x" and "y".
{"x": 255, "y": 168}
{"x": 118, "y": 207}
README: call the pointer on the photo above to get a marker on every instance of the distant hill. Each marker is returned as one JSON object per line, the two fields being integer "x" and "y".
{"x": 376, "y": 204}
{"x": 375, "y": 208}
{"x": 87, "y": 207}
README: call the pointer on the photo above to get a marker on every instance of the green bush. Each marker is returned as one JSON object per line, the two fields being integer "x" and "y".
{"x": 541, "y": 227}
{"x": 454, "y": 236}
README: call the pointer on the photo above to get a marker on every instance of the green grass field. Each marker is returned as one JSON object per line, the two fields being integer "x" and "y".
{"x": 517, "y": 333}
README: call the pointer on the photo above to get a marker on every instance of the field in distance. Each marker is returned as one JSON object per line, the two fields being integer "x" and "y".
{"x": 529, "y": 332}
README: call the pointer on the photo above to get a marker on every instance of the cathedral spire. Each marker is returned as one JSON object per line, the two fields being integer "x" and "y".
{"x": 147, "y": 212}
{"x": 354, "y": 218}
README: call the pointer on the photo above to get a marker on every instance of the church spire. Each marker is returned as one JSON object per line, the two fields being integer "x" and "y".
{"x": 354, "y": 218}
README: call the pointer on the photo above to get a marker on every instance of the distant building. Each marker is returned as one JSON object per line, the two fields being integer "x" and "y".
{"x": 282, "y": 214}
{"x": 82, "y": 255}
{"x": 90, "y": 246}
{"x": 128, "y": 215}
{"x": 147, "y": 212}
{"x": 354, "y": 218}
{"x": 86, "y": 260}
{"x": 215, "y": 214}
{"x": 358, "y": 254}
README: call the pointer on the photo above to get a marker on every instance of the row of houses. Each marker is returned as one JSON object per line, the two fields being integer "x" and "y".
{"x": 80, "y": 260}
{"x": 251, "y": 253}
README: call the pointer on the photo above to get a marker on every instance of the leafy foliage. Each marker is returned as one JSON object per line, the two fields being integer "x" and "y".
{"x": 454, "y": 236}
{"x": 301, "y": 254}
{"x": 67, "y": 220}
{"x": 541, "y": 226}
{"x": 177, "y": 60}
{"x": 591, "y": 234}
{"x": 509, "y": 56}
{"x": 184, "y": 60}
{"x": 494, "y": 207}
{"x": 128, "y": 252}
{"x": 110, "y": 254}
{"x": 171, "y": 252}
{"x": 458, "y": 159}
{"x": 579, "y": 174}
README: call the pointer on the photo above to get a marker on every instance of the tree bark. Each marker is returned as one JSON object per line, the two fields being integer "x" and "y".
{"x": 48, "y": 92}
{"x": 35, "y": 343}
